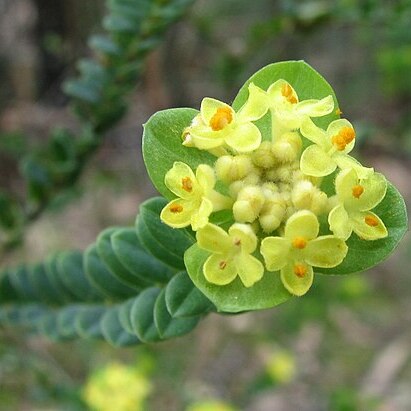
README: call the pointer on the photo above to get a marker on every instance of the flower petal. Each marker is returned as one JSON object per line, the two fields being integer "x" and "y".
{"x": 304, "y": 224}
{"x": 181, "y": 180}
{"x": 316, "y": 162}
{"x": 213, "y": 238}
{"x": 205, "y": 139}
{"x": 339, "y": 222}
{"x": 344, "y": 182}
{"x": 244, "y": 138}
{"x": 345, "y": 161}
{"x": 249, "y": 268}
{"x": 375, "y": 189}
{"x": 206, "y": 177}
{"x": 219, "y": 269}
{"x": 209, "y": 107}
{"x": 295, "y": 284}
{"x": 315, "y": 134}
{"x": 256, "y": 105}
{"x": 316, "y": 108}
{"x": 334, "y": 129}
{"x": 244, "y": 234}
{"x": 199, "y": 218}
{"x": 368, "y": 226}
{"x": 326, "y": 251}
{"x": 276, "y": 251}
{"x": 177, "y": 213}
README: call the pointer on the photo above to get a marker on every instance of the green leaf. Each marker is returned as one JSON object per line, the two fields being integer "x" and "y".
{"x": 113, "y": 331}
{"x": 184, "y": 299}
{"x": 53, "y": 274}
{"x": 160, "y": 240}
{"x": 7, "y": 290}
{"x": 307, "y": 82}
{"x": 31, "y": 315}
{"x": 167, "y": 326}
{"x": 66, "y": 320}
{"x": 102, "y": 278}
{"x": 162, "y": 146}
{"x": 48, "y": 327}
{"x": 42, "y": 286}
{"x": 20, "y": 280}
{"x": 234, "y": 297}
{"x": 142, "y": 315}
{"x": 124, "y": 315}
{"x": 134, "y": 257}
{"x": 363, "y": 254}
{"x": 87, "y": 321}
{"x": 71, "y": 274}
{"x": 107, "y": 254}
{"x": 105, "y": 45}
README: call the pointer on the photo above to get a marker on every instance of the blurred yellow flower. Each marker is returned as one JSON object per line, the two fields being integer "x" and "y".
{"x": 212, "y": 405}
{"x": 116, "y": 387}
{"x": 281, "y": 367}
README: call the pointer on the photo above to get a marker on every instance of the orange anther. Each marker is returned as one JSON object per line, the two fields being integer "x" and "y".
{"x": 338, "y": 112}
{"x": 299, "y": 242}
{"x": 287, "y": 92}
{"x": 222, "y": 265}
{"x": 344, "y": 137}
{"x": 221, "y": 118}
{"x": 187, "y": 184}
{"x": 371, "y": 221}
{"x": 300, "y": 270}
{"x": 176, "y": 208}
{"x": 357, "y": 191}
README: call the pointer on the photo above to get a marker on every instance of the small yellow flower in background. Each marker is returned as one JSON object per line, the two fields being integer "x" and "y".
{"x": 330, "y": 148}
{"x": 357, "y": 197}
{"x": 281, "y": 367}
{"x": 197, "y": 199}
{"x": 116, "y": 387}
{"x": 212, "y": 405}
{"x": 299, "y": 250}
{"x": 218, "y": 125}
{"x": 231, "y": 254}
{"x": 289, "y": 111}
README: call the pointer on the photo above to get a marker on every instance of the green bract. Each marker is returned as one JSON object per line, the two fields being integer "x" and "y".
{"x": 248, "y": 178}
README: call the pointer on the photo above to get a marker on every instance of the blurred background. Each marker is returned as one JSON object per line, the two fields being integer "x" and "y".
{"x": 345, "y": 346}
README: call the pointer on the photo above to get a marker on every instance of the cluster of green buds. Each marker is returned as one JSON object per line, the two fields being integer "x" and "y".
{"x": 273, "y": 188}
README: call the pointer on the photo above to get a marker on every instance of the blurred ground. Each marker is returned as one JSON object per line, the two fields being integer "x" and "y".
{"x": 347, "y": 344}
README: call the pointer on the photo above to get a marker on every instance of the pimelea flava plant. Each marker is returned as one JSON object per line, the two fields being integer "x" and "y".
{"x": 269, "y": 190}
{"x": 261, "y": 198}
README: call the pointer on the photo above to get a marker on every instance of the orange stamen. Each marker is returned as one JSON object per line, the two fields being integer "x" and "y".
{"x": 300, "y": 270}
{"x": 222, "y": 265}
{"x": 338, "y": 112}
{"x": 221, "y": 118}
{"x": 176, "y": 208}
{"x": 344, "y": 137}
{"x": 371, "y": 221}
{"x": 187, "y": 184}
{"x": 287, "y": 92}
{"x": 299, "y": 242}
{"x": 357, "y": 191}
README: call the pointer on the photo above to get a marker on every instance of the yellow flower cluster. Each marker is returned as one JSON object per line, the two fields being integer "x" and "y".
{"x": 273, "y": 187}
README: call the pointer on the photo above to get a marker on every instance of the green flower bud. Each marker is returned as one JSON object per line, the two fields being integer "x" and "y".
{"x": 263, "y": 156}
{"x": 287, "y": 148}
{"x": 306, "y": 196}
{"x": 249, "y": 203}
{"x": 230, "y": 168}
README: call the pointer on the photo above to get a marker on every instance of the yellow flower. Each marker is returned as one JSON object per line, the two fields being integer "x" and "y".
{"x": 281, "y": 366}
{"x": 219, "y": 125}
{"x": 197, "y": 199}
{"x": 330, "y": 148}
{"x": 299, "y": 250}
{"x": 117, "y": 387}
{"x": 212, "y": 405}
{"x": 231, "y": 254}
{"x": 357, "y": 196}
{"x": 289, "y": 111}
